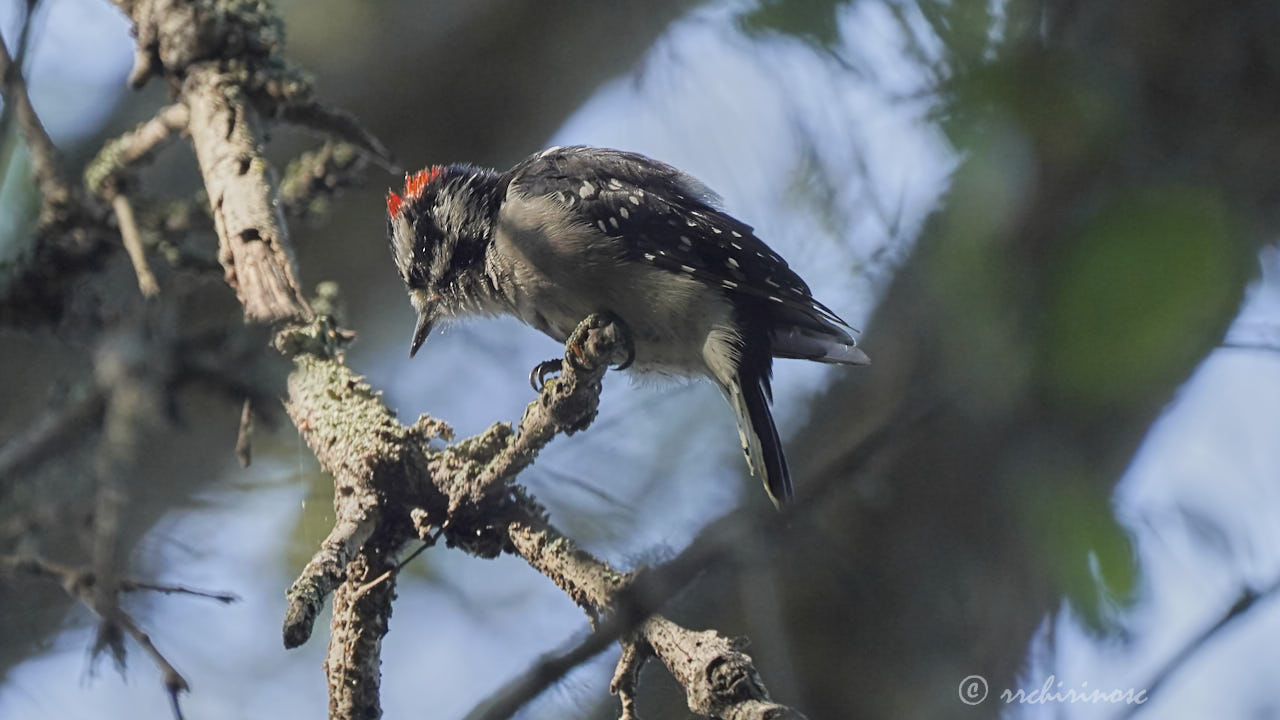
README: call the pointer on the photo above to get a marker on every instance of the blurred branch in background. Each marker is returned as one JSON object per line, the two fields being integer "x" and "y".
{"x": 1249, "y": 598}
{"x": 44, "y": 158}
{"x": 88, "y": 588}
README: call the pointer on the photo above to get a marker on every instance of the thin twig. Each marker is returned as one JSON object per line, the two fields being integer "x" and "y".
{"x": 44, "y": 436}
{"x": 44, "y": 156}
{"x": 1247, "y": 600}
{"x": 244, "y": 453}
{"x": 1259, "y": 345}
{"x": 635, "y": 652}
{"x": 174, "y": 683}
{"x": 314, "y": 177}
{"x": 137, "y": 586}
{"x": 133, "y": 245}
{"x": 340, "y": 125}
{"x": 86, "y": 587}
{"x": 359, "y": 593}
{"x": 102, "y": 175}
{"x": 546, "y": 671}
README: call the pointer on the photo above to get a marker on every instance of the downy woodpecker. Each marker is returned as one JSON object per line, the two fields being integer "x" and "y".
{"x": 577, "y": 230}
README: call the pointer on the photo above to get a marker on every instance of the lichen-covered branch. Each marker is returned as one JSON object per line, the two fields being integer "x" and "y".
{"x": 377, "y": 460}
{"x": 252, "y": 243}
{"x": 719, "y": 680}
{"x": 566, "y": 405}
{"x": 356, "y": 439}
{"x": 102, "y": 176}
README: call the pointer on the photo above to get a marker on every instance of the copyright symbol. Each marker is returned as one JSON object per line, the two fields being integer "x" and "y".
{"x": 973, "y": 690}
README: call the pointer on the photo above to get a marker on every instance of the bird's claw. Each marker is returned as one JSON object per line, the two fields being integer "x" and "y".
{"x": 630, "y": 347}
{"x": 538, "y": 375}
{"x": 576, "y": 349}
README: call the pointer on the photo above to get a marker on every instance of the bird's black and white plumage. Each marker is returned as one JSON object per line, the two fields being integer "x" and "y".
{"x": 577, "y": 230}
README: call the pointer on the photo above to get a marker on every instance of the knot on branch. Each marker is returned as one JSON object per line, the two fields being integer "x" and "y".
{"x": 731, "y": 677}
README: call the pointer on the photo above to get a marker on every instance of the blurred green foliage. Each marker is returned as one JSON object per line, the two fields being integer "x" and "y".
{"x": 1151, "y": 269}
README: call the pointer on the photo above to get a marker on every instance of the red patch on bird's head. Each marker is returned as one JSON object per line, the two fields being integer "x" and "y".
{"x": 414, "y": 184}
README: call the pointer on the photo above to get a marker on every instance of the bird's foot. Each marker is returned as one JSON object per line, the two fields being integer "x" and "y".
{"x": 601, "y": 336}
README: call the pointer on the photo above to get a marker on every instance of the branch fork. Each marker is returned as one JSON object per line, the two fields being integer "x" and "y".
{"x": 391, "y": 487}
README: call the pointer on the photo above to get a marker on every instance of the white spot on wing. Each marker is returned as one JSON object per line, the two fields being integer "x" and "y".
{"x": 623, "y": 212}
{"x": 732, "y": 263}
{"x": 613, "y": 221}
{"x": 587, "y": 190}
{"x": 688, "y": 268}
{"x": 635, "y": 200}
{"x": 735, "y": 233}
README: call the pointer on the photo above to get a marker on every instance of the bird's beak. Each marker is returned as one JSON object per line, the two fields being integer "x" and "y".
{"x": 420, "y": 332}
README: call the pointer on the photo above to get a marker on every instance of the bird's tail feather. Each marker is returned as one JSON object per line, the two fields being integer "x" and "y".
{"x": 760, "y": 441}
{"x": 825, "y": 347}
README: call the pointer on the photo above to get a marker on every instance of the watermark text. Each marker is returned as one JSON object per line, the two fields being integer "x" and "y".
{"x": 974, "y": 690}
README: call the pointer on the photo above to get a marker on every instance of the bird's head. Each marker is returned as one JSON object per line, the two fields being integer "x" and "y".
{"x": 439, "y": 226}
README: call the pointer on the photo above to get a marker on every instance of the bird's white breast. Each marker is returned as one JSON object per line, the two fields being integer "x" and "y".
{"x": 556, "y": 272}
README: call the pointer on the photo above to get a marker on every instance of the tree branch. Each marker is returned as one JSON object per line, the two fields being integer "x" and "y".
{"x": 44, "y": 157}
{"x": 388, "y": 481}
{"x": 86, "y": 587}
{"x": 46, "y": 434}
{"x": 253, "y": 246}
{"x": 627, "y": 675}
